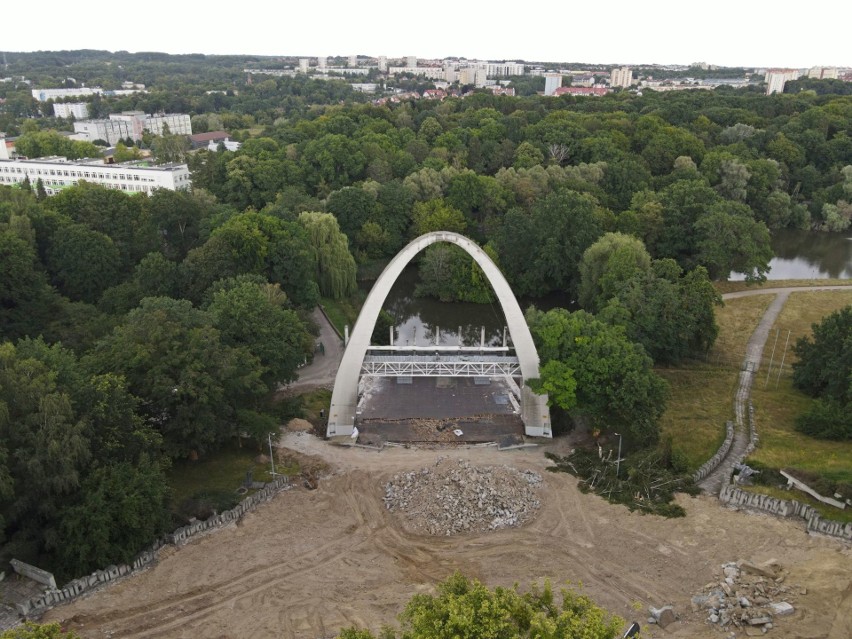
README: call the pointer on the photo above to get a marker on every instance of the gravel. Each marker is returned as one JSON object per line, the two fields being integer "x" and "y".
{"x": 455, "y": 498}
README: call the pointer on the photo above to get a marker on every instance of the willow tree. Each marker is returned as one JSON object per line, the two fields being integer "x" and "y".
{"x": 335, "y": 264}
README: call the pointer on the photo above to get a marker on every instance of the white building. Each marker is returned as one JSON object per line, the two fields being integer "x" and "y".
{"x": 228, "y": 143}
{"x": 57, "y": 173}
{"x": 621, "y": 77}
{"x": 322, "y": 62}
{"x": 304, "y": 65}
{"x": 823, "y": 73}
{"x": 79, "y": 110}
{"x": 411, "y": 61}
{"x": 383, "y": 63}
{"x": 43, "y": 95}
{"x": 353, "y": 61}
{"x": 433, "y": 73}
{"x": 552, "y": 81}
{"x": 131, "y": 124}
{"x": 502, "y": 69}
{"x": 777, "y": 78}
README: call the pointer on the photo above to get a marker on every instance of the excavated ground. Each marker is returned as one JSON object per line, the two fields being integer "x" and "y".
{"x": 313, "y": 561}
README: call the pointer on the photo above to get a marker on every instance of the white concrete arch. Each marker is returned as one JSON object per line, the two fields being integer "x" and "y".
{"x": 344, "y": 399}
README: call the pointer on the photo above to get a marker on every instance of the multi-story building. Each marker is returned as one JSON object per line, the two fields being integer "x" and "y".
{"x": 383, "y": 63}
{"x": 552, "y": 81}
{"x": 353, "y": 61}
{"x": 411, "y": 61}
{"x": 322, "y": 61}
{"x": 43, "y": 95}
{"x": 304, "y": 65}
{"x": 823, "y": 73}
{"x": 79, "y": 110}
{"x": 621, "y": 77}
{"x": 777, "y": 78}
{"x": 57, "y": 173}
{"x": 131, "y": 124}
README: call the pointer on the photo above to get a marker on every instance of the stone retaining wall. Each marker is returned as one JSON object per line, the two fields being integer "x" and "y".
{"x": 711, "y": 464}
{"x": 83, "y": 585}
{"x": 733, "y": 496}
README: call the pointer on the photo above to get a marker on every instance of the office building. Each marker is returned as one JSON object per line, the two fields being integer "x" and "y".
{"x": 58, "y": 173}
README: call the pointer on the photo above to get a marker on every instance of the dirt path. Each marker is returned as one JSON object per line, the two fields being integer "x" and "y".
{"x": 311, "y": 562}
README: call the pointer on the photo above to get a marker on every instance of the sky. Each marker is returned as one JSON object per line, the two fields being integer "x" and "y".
{"x": 724, "y": 32}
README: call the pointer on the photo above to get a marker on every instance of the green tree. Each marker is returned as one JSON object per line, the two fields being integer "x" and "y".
{"x": 83, "y": 263}
{"x": 467, "y": 608}
{"x": 824, "y": 370}
{"x": 188, "y": 380}
{"x": 253, "y": 314}
{"x": 437, "y": 215}
{"x": 606, "y": 267}
{"x": 123, "y": 508}
{"x": 335, "y": 266}
{"x": 616, "y": 386}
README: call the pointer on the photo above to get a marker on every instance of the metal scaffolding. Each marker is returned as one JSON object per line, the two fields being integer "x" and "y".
{"x": 441, "y": 366}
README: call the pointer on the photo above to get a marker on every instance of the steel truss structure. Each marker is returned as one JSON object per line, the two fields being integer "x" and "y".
{"x": 441, "y": 366}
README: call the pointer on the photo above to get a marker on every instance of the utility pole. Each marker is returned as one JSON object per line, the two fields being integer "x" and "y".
{"x": 271, "y": 456}
{"x": 777, "y": 332}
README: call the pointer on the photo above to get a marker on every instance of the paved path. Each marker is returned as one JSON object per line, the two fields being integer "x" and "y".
{"x": 754, "y": 351}
{"x": 321, "y": 372}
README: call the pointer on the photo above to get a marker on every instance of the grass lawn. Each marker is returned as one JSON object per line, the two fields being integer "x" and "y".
{"x": 733, "y": 287}
{"x": 702, "y": 393}
{"x": 343, "y": 312}
{"x": 313, "y": 402}
{"x": 778, "y": 403}
{"x": 216, "y": 477}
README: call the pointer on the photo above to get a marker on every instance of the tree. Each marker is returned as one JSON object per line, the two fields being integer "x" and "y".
{"x": 123, "y": 507}
{"x": 450, "y": 274}
{"x": 616, "y": 386}
{"x": 606, "y": 267}
{"x": 169, "y": 148}
{"x": 83, "y": 263}
{"x": 437, "y": 215}
{"x": 730, "y": 239}
{"x": 467, "y": 608}
{"x": 253, "y": 314}
{"x": 189, "y": 382}
{"x": 335, "y": 266}
{"x": 824, "y": 370}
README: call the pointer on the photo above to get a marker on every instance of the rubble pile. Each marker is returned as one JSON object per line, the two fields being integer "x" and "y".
{"x": 748, "y": 598}
{"x": 456, "y": 497}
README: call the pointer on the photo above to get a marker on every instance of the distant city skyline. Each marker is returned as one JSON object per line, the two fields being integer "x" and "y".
{"x": 724, "y": 33}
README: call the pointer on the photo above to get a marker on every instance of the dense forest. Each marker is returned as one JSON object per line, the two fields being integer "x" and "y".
{"x": 140, "y": 330}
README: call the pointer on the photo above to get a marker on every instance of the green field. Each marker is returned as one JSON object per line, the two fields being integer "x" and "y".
{"x": 702, "y": 393}
{"x": 777, "y": 403}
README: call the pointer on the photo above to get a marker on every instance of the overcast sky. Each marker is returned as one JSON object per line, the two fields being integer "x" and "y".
{"x": 724, "y": 32}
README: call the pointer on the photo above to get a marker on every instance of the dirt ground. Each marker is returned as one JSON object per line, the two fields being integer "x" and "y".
{"x": 313, "y": 561}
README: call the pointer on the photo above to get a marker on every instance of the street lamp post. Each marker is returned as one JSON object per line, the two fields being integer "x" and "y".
{"x": 618, "y": 460}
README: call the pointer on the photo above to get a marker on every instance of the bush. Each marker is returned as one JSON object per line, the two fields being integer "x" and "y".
{"x": 827, "y": 419}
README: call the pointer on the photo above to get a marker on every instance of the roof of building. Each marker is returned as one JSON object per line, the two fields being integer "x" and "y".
{"x": 210, "y": 135}
{"x": 581, "y": 91}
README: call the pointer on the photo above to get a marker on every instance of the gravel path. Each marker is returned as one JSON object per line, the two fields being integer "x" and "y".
{"x": 321, "y": 372}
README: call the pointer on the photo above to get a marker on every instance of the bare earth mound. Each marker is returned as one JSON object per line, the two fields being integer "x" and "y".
{"x": 455, "y": 497}
{"x": 310, "y": 562}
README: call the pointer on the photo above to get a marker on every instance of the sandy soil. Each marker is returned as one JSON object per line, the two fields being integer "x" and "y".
{"x": 311, "y": 562}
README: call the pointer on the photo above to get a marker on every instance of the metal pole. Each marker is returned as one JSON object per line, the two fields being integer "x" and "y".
{"x": 346, "y": 335}
{"x": 271, "y": 456}
{"x": 618, "y": 461}
{"x": 482, "y": 339}
{"x": 777, "y": 332}
{"x": 460, "y": 336}
{"x": 783, "y": 357}
{"x": 437, "y": 335}
{"x": 391, "y": 335}
{"x": 504, "y": 337}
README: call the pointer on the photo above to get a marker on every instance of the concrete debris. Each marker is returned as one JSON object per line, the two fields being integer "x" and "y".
{"x": 454, "y": 498}
{"x": 782, "y": 609}
{"x": 662, "y": 616}
{"x": 748, "y": 598}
